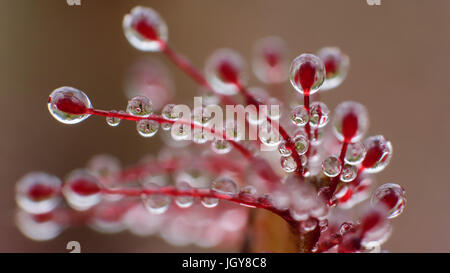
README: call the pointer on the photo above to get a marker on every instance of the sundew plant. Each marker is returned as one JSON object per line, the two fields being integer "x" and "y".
{"x": 242, "y": 169}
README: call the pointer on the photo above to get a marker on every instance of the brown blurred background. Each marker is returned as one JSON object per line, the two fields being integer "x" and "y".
{"x": 399, "y": 55}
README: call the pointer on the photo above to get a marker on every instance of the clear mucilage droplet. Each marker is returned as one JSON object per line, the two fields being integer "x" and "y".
{"x": 38, "y": 192}
{"x": 336, "y": 66}
{"x": 180, "y": 131}
{"x": 355, "y": 153}
{"x": 145, "y": 29}
{"x": 169, "y": 112}
{"x": 378, "y": 154}
{"x": 350, "y": 121}
{"x": 301, "y": 144}
{"x": 269, "y": 135}
{"x": 224, "y": 70}
{"x": 225, "y": 185}
{"x": 69, "y": 105}
{"x": 331, "y": 166}
{"x": 288, "y": 164}
{"x": 147, "y": 128}
{"x": 209, "y": 202}
{"x": 113, "y": 121}
{"x": 166, "y": 126}
{"x": 184, "y": 201}
{"x": 392, "y": 196}
{"x": 307, "y": 74}
{"x": 283, "y": 149}
{"x": 348, "y": 173}
{"x": 299, "y": 116}
{"x": 201, "y": 116}
{"x": 156, "y": 203}
{"x": 139, "y": 106}
{"x": 318, "y": 114}
{"x": 308, "y": 225}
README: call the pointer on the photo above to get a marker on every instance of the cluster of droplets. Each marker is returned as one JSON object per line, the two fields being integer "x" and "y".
{"x": 140, "y": 107}
{"x": 159, "y": 203}
{"x": 328, "y": 169}
{"x": 298, "y": 197}
{"x": 44, "y": 215}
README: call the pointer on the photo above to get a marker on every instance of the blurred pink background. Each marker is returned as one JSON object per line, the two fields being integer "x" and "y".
{"x": 399, "y": 54}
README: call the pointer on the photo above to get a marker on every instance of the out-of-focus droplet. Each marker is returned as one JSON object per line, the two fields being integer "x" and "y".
{"x": 318, "y": 114}
{"x": 307, "y": 74}
{"x": 221, "y": 146}
{"x": 331, "y": 166}
{"x": 288, "y": 164}
{"x": 378, "y": 154}
{"x": 336, "y": 66}
{"x": 104, "y": 165}
{"x": 224, "y": 70}
{"x": 184, "y": 201}
{"x": 299, "y": 116}
{"x": 348, "y": 173}
{"x": 350, "y": 121}
{"x": 139, "y": 106}
{"x": 156, "y": 203}
{"x": 308, "y": 225}
{"x": 113, "y": 121}
{"x": 82, "y": 190}
{"x": 392, "y": 196}
{"x": 147, "y": 128}
{"x": 269, "y": 60}
{"x": 38, "y": 227}
{"x": 107, "y": 218}
{"x": 145, "y": 29}
{"x": 209, "y": 202}
{"x": 225, "y": 185}
{"x": 355, "y": 153}
{"x": 374, "y": 226}
{"x": 68, "y": 105}
{"x": 38, "y": 192}
{"x": 301, "y": 144}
